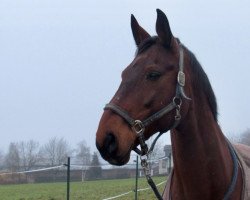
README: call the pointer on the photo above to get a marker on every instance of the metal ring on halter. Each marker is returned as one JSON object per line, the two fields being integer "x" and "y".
{"x": 138, "y": 127}
{"x": 177, "y": 101}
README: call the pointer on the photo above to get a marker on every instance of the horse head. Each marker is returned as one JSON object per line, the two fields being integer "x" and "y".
{"x": 152, "y": 82}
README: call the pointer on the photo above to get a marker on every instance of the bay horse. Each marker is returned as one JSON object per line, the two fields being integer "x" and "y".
{"x": 165, "y": 88}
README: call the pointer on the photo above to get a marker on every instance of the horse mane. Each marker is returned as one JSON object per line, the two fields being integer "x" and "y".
{"x": 201, "y": 83}
{"x": 200, "y": 80}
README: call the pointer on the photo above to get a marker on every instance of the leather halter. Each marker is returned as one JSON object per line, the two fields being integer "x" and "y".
{"x": 139, "y": 126}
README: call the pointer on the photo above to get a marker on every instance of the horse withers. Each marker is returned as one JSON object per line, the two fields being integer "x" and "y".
{"x": 165, "y": 88}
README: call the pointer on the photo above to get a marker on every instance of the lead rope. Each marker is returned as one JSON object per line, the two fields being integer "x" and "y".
{"x": 144, "y": 152}
{"x": 145, "y": 166}
{"x": 139, "y": 129}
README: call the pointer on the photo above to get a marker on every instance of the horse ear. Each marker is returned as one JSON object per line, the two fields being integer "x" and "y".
{"x": 163, "y": 29}
{"x": 138, "y": 32}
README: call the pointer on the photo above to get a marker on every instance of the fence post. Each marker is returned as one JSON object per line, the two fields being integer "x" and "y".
{"x": 136, "y": 178}
{"x": 68, "y": 178}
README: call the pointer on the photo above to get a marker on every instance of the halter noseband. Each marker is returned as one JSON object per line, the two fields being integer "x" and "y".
{"x": 139, "y": 126}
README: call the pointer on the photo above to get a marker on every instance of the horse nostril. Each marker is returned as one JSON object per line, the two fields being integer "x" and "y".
{"x": 110, "y": 144}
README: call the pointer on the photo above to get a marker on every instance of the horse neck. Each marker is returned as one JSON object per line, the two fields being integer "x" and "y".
{"x": 202, "y": 162}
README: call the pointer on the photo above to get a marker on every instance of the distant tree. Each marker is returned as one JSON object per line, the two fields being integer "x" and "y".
{"x": 83, "y": 156}
{"x": 95, "y": 171}
{"x": 83, "y": 153}
{"x": 1, "y": 159}
{"x": 63, "y": 151}
{"x": 12, "y": 158}
{"x": 245, "y": 137}
{"x": 158, "y": 150}
{"x": 56, "y": 151}
{"x": 29, "y": 154}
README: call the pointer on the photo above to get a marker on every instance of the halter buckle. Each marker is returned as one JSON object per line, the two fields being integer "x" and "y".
{"x": 138, "y": 127}
{"x": 181, "y": 78}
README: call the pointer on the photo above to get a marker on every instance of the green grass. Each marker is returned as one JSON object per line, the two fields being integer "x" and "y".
{"x": 89, "y": 190}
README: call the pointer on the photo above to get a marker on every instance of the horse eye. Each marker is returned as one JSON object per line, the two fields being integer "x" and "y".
{"x": 153, "y": 76}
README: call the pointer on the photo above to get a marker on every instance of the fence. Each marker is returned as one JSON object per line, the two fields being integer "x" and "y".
{"x": 75, "y": 172}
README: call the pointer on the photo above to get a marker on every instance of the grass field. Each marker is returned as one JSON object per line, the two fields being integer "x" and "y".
{"x": 89, "y": 190}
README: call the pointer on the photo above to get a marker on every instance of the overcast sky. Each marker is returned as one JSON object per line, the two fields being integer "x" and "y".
{"x": 60, "y": 61}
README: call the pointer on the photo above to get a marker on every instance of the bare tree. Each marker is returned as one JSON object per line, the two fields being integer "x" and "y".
{"x": 49, "y": 151}
{"x": 1, "y": 159}
{"x": 29, "y": 154}
{"x": 245, "y": 137}
{"x": 83, "y": 156}
{"x": 95, "y": 172}
{"x": 12, "y": 158}
{"x": 158, "y": 150}
{"x": 63, "y": 150}
{"x": 83, "y": 153}
{"x": 56, "y": 151}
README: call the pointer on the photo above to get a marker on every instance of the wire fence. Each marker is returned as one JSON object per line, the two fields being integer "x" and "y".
{"x": 131, "y": 191}
{"x": 75, "y": 172}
